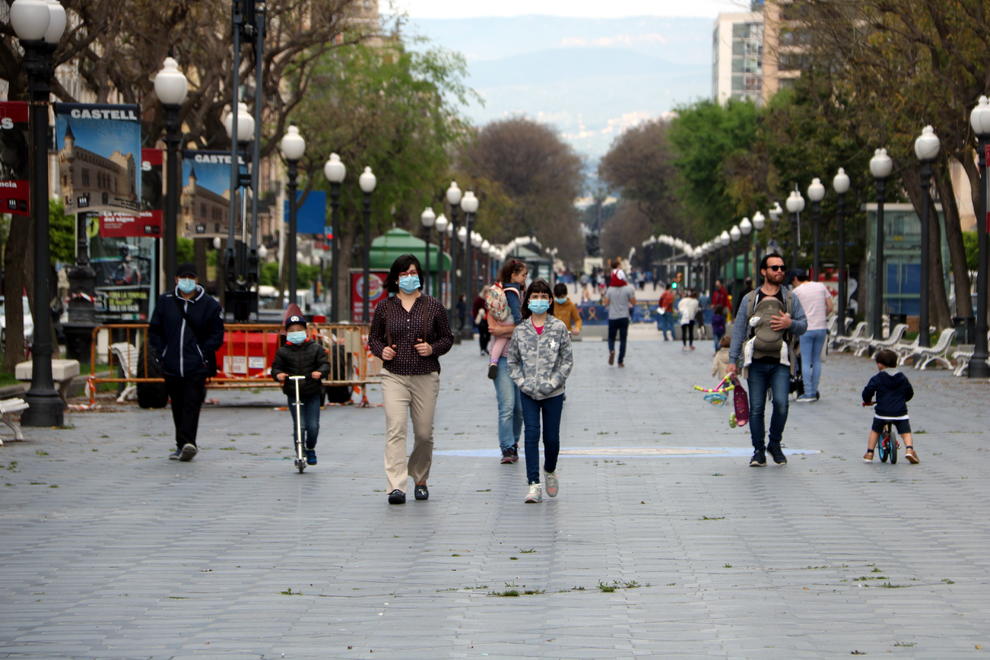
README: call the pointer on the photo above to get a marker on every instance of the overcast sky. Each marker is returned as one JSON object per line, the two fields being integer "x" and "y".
{"x": 578, "y": 8}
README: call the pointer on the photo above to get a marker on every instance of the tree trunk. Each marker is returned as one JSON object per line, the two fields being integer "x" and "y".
{"x": 938, "y": 302}
{"x": 16, "y": 264}
{"x": 953, "y": 235}
{"x": 342, "y": 286}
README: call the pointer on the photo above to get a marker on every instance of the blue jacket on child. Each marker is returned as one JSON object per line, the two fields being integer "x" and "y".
{"x": 892, "y": 390}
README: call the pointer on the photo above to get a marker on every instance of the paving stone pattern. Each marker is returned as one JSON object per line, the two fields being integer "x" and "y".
{"x": 108, "y": 550}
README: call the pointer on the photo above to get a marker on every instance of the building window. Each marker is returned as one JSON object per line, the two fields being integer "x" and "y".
{"x": 84, "y": 177}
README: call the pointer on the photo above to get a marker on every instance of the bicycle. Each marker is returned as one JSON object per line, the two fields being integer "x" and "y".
{"x": 887, "y": 444}
{"x": 300, "y": 461}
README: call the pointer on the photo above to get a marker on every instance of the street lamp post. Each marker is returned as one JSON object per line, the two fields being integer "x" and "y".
{"x": 880, "y": 168}
{"x": 367, "y": 181}
{"x": 735, "y": 234}
{"x": 746, "y": 227}
{"x": 292, "y": 146}
{"x": 454, "y": 200}
{"x": 979, "y": 119}
{"x": 795, "y": 204}
{"x": 469, "y": 204}
{"x": 239, "y": 125}
{"x": 816, "y": 193}
{"x": 442, "y": 225}
{"x": 486, "y": 252}
{"x": 171, "y": 88}
{"x": 39, "y": 26}
{"x": 428, "y": 218}
{"x": 840, "y": 184}
{"x": 334, "y": 171}
{"x": 724, "y": 239}
{"x": 759, "y": 221}
{"x": 926, "y": 148}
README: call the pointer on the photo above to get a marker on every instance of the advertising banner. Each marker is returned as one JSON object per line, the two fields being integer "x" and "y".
{"x": 205, "y": 198}
{"x": 99, "y": 154}
{"x": 311, "y": 212}
{"x": 148, "y": 221}
{"x": 376, "y": 293}
{"x": 15, "y": 190}
{"x": 124, "y": 261}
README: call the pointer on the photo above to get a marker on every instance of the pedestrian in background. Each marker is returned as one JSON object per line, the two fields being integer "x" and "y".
{"x": 817, "y": 303}
{"x": 540, "y": 361}
{"x": 481, "y": 320}
{"x": 184, "y": 333}
{"x": 409, "y": 332}
{"x": 618, "y": 298}
{"x": 565, "y": 310}
{"x": 687, "y": 308}
{"x": 666, "y": 309}
{"x": 718, "y": 325}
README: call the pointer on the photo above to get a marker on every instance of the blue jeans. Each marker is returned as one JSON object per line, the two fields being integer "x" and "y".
{"x": 310, "y": 418}
{"x": 777, "y": 378}
{"x": 812, "y": 343}
{"x": 718, "y": 339}
{"x": 665, "y": 323}
{"x": 551, "y": 410}
{"x": 510, "y": 416}
{"x": 620, "y": 326}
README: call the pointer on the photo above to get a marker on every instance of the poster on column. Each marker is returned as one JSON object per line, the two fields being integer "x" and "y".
{"x": 15, "y": 188}
{"x": 148, "y": 220}
{"x": 204, "y": 205}
{"x": 99, "y": 156}
{"x": 376, "y": 294}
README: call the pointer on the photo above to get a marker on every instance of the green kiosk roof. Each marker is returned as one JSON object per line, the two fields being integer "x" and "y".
{"x": 395, "y": 242}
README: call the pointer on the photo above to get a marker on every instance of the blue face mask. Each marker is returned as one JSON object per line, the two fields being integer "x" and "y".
{"x": 187, "y": 284}
{"x": 408, "y": 283}
{"x": 296, "y": 336}
{"x": 560, "y": 301}
{"x": 539, "y": 306}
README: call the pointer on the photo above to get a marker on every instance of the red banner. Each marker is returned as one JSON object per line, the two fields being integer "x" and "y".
{"x": 376, "y": 293}
{"x": 119, "y": 225}
{"x": 15, "y": 189}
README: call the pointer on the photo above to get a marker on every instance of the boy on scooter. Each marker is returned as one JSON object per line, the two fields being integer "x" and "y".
{"x": 301, "y": 356}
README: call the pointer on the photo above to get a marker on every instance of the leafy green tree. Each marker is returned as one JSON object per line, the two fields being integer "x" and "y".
{"x": 62, "y": 233}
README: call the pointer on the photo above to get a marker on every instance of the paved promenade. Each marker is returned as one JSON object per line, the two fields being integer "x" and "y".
{"x": 662, "y": 543}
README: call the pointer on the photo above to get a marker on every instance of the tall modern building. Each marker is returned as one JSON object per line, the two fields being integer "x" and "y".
{"x": 784, "y": 44}
{"x": 737, "y": 57}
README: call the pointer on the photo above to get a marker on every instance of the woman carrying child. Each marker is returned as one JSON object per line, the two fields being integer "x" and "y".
{"x": 511, "y": 279}
{"x": 539, "y": 362}
{"x": 409, "y": 332}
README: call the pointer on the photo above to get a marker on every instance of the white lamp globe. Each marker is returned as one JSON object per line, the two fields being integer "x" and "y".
{"x": 442, "y": 223}
{"x": 881, "y": 165}
{"x": 476, "y": 239}
{"x": 775, "y": 212}
{"x": 724, "y": 238}
{"x": 245, "y": 123}
{"x": 217, "y": 243}
{"x": 462, "y": 234}
{"x": 840, "y": 182}
{"x": 453, "y": 194}
{"x": 171, "y": 85}
{"x": 979, "y": 118}
{"x": 428, "y": 217}
{"x": 334, "y": 169}
{"x": 292, "y": 145}
{"x": 262, "y": 252}
{"x": 927, "y": 144}
{"x": 745, "y": 226}
{"x": 367, "y": 181}
{"x": 469, "y": 202}
{"x": 758, "y": 221}
{"x": 795, "y": 202}
{"x": 816, "y": 191}
{"x": 735, "y": 234}
{"x": 486, "y": 247}
{"x": 56, "y": 23}
{"x": 30, "y": 19}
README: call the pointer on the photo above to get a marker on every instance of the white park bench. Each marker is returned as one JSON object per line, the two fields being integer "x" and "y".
{"x": 128, "y": 356}
{"x": 63, "y": 371}
{"x": 8, "y": 408}
{"x": 923, "y": 355}
{"x": 871, "y": 346}
{"x": 842, "y": 343}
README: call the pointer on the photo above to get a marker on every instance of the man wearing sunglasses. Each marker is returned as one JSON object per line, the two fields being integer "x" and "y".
{"x": 768, "y": 365}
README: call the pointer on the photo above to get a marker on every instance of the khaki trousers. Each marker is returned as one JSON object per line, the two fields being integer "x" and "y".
{"x": 406, "y": 396}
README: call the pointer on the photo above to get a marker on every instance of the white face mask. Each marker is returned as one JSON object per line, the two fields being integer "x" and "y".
{"x": 187, "y": 284}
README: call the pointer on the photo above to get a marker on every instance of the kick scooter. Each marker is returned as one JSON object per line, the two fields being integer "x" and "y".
{"x": 300, "y": 457}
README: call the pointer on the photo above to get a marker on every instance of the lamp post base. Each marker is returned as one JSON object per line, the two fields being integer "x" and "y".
{"x": 46, "y": 408}
{"x": 978, "y": 367}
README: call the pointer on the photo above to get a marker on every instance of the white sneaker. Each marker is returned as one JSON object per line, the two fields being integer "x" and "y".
{"x": 552, "y": 484}
{"x": 535, "y": 494}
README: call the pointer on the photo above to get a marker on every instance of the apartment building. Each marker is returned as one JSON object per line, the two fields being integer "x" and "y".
{"x": 737, "y": 57}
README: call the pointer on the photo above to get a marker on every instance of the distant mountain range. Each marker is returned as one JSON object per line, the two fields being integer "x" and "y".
{"x": 590, "y": 78}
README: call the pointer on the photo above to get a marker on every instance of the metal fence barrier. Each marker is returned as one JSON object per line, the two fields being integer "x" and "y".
{"x": 243, "y": 361}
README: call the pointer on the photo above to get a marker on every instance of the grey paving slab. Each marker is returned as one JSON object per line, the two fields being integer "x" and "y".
{"x": 109, "y": 550}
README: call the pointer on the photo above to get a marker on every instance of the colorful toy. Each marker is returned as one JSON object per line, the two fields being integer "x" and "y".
{"x": 718, "y": 395}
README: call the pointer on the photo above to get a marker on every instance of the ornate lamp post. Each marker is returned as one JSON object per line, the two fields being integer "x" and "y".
{"x": 746, "y": 227}
{"x": 334, "y": 171}
{"x": 237, "y": 295}
{"x": 880, "y": 167}
{"x": 816, "y": 193}
{"x": 840, "y": 184}
{"x": 292, "y": 146}
{"x": 454, "y": 200}
{"x": 795, "y": 204}
{"x": 926, "y": 148}
{"x": 442, "y": 224}
{"x": 367, "y": 181}
{"x": 39, "y": 26}
{"x": 171, "y": 88}
{"x": 735, "y": 234}
{"x": 759, "y": 221}
{"x": 979, "y": 119}
{"x": 723, "y": 240}
{"x": 469, "y": 204}
{"x": 428, "y": 218}
{"x": 486, "y": 250}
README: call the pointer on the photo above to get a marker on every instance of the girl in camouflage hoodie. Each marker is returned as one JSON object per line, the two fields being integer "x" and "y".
{"x": 539, "y": 361}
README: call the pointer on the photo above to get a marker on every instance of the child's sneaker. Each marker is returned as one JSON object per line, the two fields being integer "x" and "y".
{"x": 552, "y": 484}
{"x": 492, "y": 371}
{"x": 535, "y": 494}
{"x": 911, "y": 455}
{"x": 311, "y": 457}
{"x": 868, "y": 456}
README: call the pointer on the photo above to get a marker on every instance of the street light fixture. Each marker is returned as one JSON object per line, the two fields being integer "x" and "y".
{"x": 171, "y": 87}
{"x": 335, "y": 171}
{"x": 759, "y": 222}
{"x": 292, "y": 146}
{"x": 442, "y": 225}
{"x": 454, "y": 195}
{"x": 39, "y": 26}
{"x": 795, "y": 204}
{"x": 880, "y": 167}
{"x": 840, "y": 184}
{"x": 816, "y": 193}
{"x": 734, "y": 235}
{"x": 746, "y": 227}
{"x": 926, "y": 148}
{"x": 367, "y": 181}
{"x": 428, "y": 218}
{"x": 469, "y": 204}
{"x": 237, "y": 294}
{"x": 979, "y": 119}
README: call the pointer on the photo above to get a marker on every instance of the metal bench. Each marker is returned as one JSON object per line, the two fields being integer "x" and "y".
{"x": 842, "y": 343}
{"x": 871, "y": 346}
{"x": 923, "y": 355}
{"x": 8, "y": 407}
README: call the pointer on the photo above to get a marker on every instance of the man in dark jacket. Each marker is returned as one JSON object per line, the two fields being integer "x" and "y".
{"x": 185, "y": 332}
{"x": 301, "y": 356}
